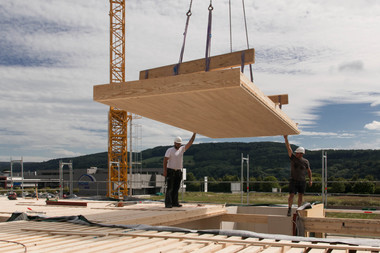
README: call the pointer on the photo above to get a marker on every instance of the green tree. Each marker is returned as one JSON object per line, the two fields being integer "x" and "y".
{"x": 364, "y": 186}
{"x": 317, "y": 185}
{"x": 338, "y": 186}
{"x": 192, "y": 185}
{"x": 270, "y": 182}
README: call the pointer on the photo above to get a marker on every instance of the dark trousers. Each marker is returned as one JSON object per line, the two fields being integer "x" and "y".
{"x": 173, "y": 178}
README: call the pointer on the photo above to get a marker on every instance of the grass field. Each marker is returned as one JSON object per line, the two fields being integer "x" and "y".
{"x": 258, "y": 198}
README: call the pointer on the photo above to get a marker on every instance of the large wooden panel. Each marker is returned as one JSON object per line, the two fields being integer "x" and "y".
{"x": 218, "y": 104}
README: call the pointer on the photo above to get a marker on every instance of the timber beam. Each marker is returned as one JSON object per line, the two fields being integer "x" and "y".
{"x": 343, "y": 226}
{"x": 224, "y": 61}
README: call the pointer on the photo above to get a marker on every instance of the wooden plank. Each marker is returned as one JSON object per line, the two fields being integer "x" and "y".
{"x": 231, "y": 249}
{"x": 252, "y": 249}
{"x": 190, "y": 247}
{"x": 272, "y": 249}
{"x": 282, "y": 99}
{"x": 66, "y": 203}
{"x": 219, "y": 104}
{"x": 102, "y": 244}
{"x": 249, "y": 218}
{"x": 68, "y": 232}
{"x": 317, "y": 211}
{"x": 166, "y": 246}
{"x": 296, "y": 250}
{"x": 317, "y": 251}
{"x": 211, "y": 247}
{"x": 366, "y": 227}
{"x": 216, "y": 63}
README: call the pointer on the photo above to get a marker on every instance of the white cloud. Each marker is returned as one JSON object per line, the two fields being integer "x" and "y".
{"x": 53, "y": 52}
{"x": 375, "y": 125}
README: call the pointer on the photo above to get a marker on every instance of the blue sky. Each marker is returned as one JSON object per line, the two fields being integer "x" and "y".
{"x": 324, "y": 54}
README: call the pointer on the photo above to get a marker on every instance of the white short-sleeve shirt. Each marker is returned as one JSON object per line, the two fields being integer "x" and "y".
{"x": 175, "y": 157}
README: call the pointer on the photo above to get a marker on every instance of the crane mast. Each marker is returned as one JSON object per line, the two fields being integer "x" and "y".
{"x": 117, "y": 119}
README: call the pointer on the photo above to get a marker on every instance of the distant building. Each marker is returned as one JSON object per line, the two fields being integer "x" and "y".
{"x": 87, "y": 182}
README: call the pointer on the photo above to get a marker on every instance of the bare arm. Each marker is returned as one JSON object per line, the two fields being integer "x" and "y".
{"x": 165, "y": 165}
{"x": 290, "y": 152}
{"x": 190, "y": 142}
{"x": 310, "y": 178}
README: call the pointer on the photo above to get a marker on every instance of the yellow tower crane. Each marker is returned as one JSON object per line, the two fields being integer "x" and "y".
{"x": 117, "y": 119}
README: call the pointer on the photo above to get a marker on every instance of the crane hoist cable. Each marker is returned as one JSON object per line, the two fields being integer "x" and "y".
{"x": 208, "y": 40}
{"x": 209, "y": 35}
{"x": 246, "y": 35}
{"x": 230, "y": 19}
{"x": 188, "y": 14}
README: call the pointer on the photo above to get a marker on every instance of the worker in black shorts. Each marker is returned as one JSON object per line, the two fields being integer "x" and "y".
{"x": 298, "y": 168}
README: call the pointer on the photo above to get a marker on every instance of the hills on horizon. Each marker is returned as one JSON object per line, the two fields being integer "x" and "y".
{"x": 220, "y": 159}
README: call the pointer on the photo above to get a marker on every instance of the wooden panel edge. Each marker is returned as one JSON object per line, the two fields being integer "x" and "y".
{"x": 281, "y": 99}
{"x": 222, "y": 79}
{"x": 259, "y": 95}
{"x": 217, "y": 62}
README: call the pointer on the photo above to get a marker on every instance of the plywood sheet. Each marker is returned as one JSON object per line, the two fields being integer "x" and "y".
{"x": 218, "y": 104}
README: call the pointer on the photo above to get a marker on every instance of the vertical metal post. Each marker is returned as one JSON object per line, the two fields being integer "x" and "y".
{"x": 325, "y": 156}
{"x": 130, "y": 157}
{"x": 247, "y": 159}
{"x": 241, "y": 179}
{"x": 109, "y": 178}
{"x": 22, "y": 178}
{"x": 60, "y": 179}
{"x": 324, "y": 178}
{"x": 71, "y": 177}
{"x": 118, "y": 179}
{"x": 11, "y": 175}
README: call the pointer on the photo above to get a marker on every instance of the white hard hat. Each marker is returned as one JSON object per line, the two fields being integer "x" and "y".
{"x": 178, "y": 140}
{"x": 300, "y": 150}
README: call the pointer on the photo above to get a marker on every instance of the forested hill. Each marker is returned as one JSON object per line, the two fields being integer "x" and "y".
{"x": 219, "y": 159}
{"x": 267, "y": 159}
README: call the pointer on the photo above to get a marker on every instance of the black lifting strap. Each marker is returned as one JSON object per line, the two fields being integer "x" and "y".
{"x": 208, "y": 41}
{"x": 188, "y": 14}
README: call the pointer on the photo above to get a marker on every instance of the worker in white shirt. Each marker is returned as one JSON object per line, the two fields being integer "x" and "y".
{"x": 173, "y": 164}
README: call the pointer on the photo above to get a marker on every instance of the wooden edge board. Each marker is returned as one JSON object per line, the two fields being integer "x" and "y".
{"x": 266, "y": 101}
{"x": 279, "y": 99}
{"x": 369, "y": 227}
{"x": 216, "y": 63}
{"x": 166, "y": 85}
{"x": 248, "y": 218}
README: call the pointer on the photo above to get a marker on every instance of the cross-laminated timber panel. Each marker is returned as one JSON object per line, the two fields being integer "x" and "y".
{"x": 218, "y": 104}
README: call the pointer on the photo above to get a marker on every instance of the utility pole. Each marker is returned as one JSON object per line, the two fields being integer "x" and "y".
{"x": 244, "y": 159}
{"x": 324, "y": 178}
